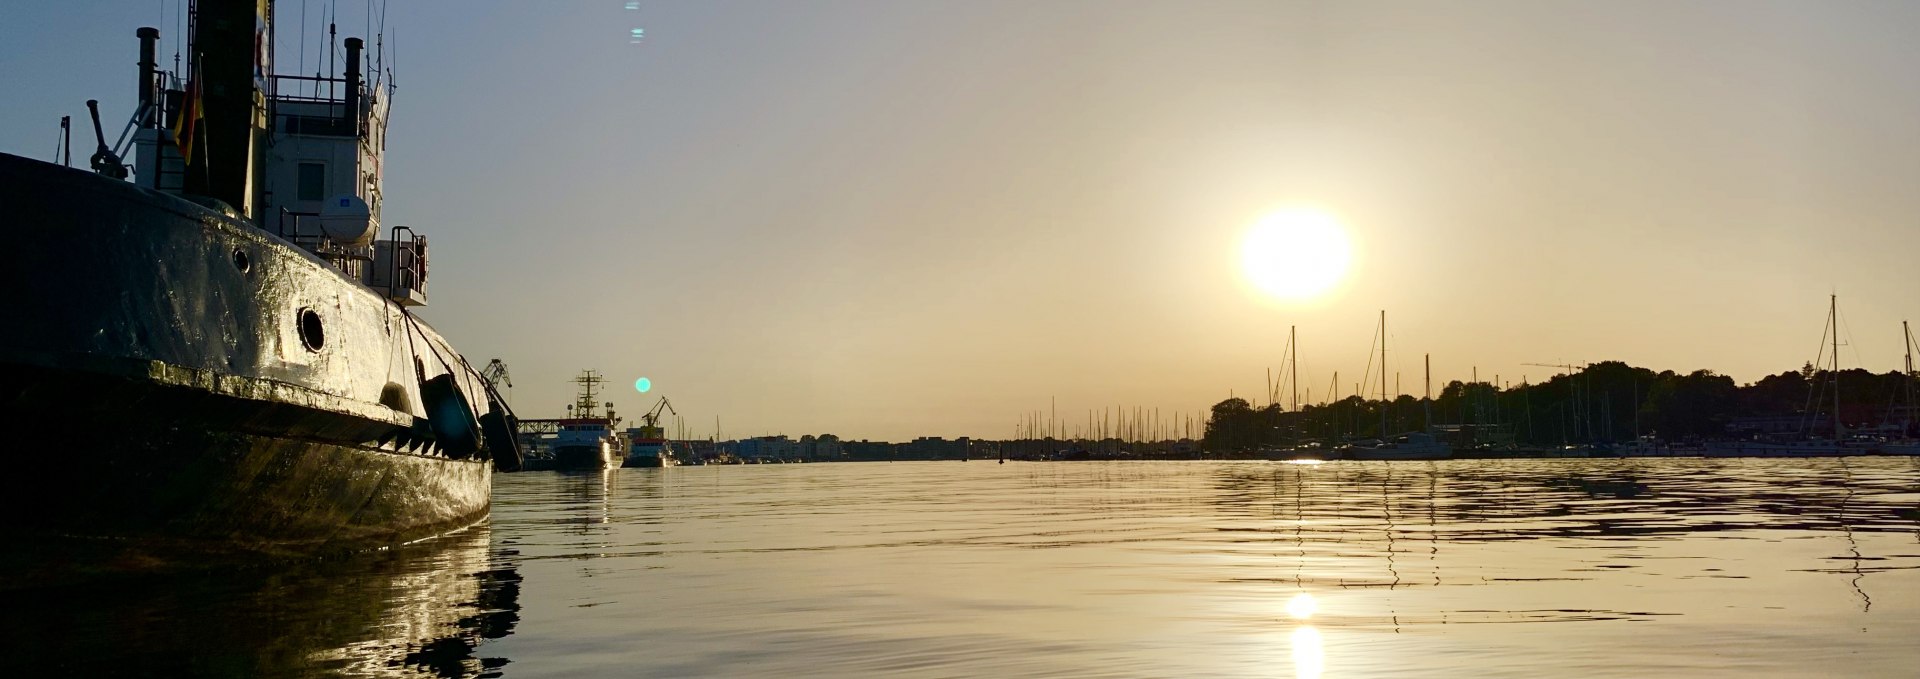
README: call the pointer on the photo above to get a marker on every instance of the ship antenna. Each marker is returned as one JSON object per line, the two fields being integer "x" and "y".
{"x": 380, "y": 44}
{"x": 333, "y": 52}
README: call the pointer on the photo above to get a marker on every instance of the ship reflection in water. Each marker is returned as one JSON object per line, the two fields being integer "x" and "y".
{"x": 1517, "y": 568}
{"x": 419, "y": 610}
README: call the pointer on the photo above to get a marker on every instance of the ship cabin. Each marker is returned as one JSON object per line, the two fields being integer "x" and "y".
{"x": 316, "y": 170}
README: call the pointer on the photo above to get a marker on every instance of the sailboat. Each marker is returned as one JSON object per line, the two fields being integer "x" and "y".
{"x": 1418, "y": 445}
{"x": 1906, "y": 444}
{"x": 1807, "y": 444}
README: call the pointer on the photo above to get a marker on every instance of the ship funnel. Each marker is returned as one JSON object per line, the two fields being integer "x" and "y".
{"x": 149, "y": 36}
{"x": 353, "y": 82}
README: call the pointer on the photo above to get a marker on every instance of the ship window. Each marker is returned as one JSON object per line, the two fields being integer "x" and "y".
{"x": 313, "y": 181}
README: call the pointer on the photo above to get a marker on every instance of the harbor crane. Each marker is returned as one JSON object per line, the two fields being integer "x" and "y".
{"x": 496, "y": 375}
{"x": 651, "y": 420}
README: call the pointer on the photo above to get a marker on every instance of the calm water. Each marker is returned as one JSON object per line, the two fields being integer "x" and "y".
{"x": 1627, "y": 568}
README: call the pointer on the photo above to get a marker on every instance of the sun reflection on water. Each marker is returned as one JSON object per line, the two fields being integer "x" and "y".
{"x": 1309, "y": 659}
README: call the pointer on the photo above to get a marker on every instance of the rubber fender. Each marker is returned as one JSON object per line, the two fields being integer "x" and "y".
{"x": 451, "y": 417}
{"x": 498, "y": 427}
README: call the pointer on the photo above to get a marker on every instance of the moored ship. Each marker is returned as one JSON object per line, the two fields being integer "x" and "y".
{"x": 582, "y": 441}
{"x": 648, "y": 445}
{"x": 228, "y": 329}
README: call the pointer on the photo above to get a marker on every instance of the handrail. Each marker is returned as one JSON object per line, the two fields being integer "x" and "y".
{"x": 309, "y": 78}
{"x": 281, "y": 228}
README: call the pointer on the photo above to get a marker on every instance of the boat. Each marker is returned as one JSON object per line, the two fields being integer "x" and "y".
{"x": 647, "y": 445}
{"x": 1904, "y": 442}
{"x": 582, "y": 441}
{"x": 1417, "y": 445}
{"x": 1651, "y": 446}
{"x": 583, "y": 444}
{"x": 224, "y": 334}
{"x": 1806, "y": 443}
{"x": 1305, "y": 450}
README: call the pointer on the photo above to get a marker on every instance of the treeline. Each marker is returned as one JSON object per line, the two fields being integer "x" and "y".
{"x": 1606, "y": 402}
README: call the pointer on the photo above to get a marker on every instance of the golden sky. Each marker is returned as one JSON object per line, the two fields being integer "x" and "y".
{"x": 889, "y": 219}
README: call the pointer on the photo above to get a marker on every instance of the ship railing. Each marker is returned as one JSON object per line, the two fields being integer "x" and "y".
{"x": 338, "y": 121}
{"x": 292, "y": 218}
{"x": 280, "y": 93}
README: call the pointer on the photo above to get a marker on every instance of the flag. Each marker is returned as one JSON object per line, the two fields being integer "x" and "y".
{"x": 186, "y": 122}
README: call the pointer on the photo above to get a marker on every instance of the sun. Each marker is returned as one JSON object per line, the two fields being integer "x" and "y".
{"x": 1295, "y": 255}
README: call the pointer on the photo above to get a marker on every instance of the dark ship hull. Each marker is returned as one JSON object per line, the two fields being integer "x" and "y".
{"x": 581, "y": 458}
{"x": 177, "y": 382}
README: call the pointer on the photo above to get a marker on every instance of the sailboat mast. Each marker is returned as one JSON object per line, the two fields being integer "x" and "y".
{"x": 1904, "y": 330}
{"x": 1427, "y": 403}
{"x": 1833, "y": 322}
{"x": 1335, "y": 390}
{"x": 1383, "y": 374}
{"x": 1908, "y": 420}
{"x": 1293, "y": 363}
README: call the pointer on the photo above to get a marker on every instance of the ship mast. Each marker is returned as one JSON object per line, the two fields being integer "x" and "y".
{"x": 584, "y": 405}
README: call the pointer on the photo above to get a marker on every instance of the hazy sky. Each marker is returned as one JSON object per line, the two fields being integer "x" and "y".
{"x": 886, "y": 219}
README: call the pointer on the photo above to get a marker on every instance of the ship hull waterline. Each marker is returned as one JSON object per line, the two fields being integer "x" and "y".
{"x": 154, "y": 350}
{"x": 187, "y": 478}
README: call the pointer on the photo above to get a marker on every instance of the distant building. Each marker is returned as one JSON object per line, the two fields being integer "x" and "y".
{"x": 767, "y": 448}
{"x": 935, "y": 448}
{"x": 868, "y": 450}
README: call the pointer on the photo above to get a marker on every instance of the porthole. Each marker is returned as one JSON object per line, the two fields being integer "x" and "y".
{"x": 240, "y": 260}
{"x": 311, "y": 333}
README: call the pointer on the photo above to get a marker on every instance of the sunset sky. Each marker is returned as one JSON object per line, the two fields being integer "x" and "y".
{"x": 888, "y": 219}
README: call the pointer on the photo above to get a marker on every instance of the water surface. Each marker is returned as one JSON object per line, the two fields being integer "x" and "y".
{"x": 1626, "y": 568}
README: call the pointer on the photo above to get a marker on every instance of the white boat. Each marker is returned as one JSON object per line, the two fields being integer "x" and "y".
{"x": 583, "y": 444}
{"x": 1410, "y": 446}
{"x": 583, "y": 441}
{"x": 648, "y": 445}
{"x": 1812, "y": 447}
{"x": 1906, "y": 445}
{"x": 1648, "y": 446}
{"x": 1804, "y": 444}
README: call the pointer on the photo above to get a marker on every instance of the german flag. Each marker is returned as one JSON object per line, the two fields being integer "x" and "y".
{"x": 190, "y": 115}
